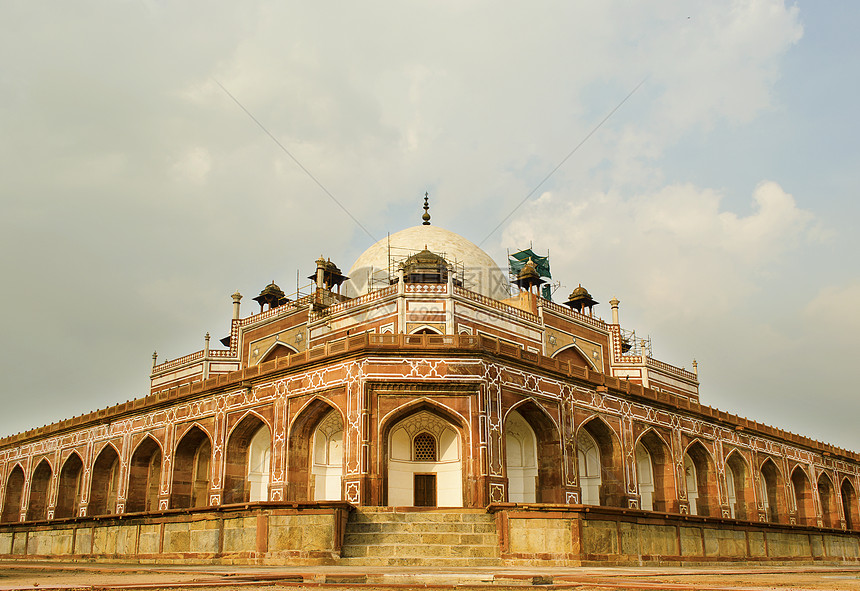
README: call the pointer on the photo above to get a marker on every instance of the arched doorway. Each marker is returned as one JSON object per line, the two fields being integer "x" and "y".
{"x": 601, "y": 478}
{"x": 69, "y": 493}
{"x": 327, "y": 465}
{"x": 248, "y": 461}
{"x": 654, "y": 473}
{"x": 700, "y": 480}
{"x": 192, "y": 465}
{"x": 39, "y": 489}
{"x": 144, "y": 477}
{"x": 849, "y": 505}
{"x": 105, "y": 483}
{"x": 14, "y": 493}
{"x": 772, "y": 494}
{"x": 424, "y": 462}
{"x": 520, "y": 459}
{"x": 827, "y": 498}
{"x": 301, "y": 485}
{"x": 803, "y": 497}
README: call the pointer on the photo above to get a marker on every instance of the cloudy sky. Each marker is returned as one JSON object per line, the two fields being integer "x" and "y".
{"x": 718, "y": 203}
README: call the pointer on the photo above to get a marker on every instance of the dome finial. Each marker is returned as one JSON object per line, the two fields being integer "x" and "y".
{"x": 426, "y": 216}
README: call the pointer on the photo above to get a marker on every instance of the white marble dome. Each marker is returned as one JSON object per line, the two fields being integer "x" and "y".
{"x": 480, "y": 273}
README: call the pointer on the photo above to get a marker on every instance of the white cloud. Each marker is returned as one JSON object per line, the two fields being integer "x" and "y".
{"x": 675, "y": 248}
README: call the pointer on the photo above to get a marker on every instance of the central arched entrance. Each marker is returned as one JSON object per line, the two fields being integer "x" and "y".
{"x": 424, "y": 465}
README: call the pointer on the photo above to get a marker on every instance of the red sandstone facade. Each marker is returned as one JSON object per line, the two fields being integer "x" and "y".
{"x": 465, "y": 359}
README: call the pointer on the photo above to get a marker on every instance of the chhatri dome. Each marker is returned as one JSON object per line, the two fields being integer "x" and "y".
{"x": 480, "y": 273}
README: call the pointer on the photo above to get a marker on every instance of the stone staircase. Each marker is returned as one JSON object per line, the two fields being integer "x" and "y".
{"x": 388, "y": 536}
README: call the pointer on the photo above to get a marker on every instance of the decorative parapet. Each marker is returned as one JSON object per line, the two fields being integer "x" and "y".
{"x": 495, "y": 304}
{"x": 353, "y": 303}
{"x": 671, "y": 369}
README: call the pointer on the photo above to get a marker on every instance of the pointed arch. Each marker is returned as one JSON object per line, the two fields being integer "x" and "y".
{"x": 144, "y": 476}
{"x": 248, "y": 460}
{"x": 426, "y": 329}
{"x": 14, "y": 494}
{"x": 773, "y": 492}
{"x": 192, "y": 467}
{"x": 423, "y": 455}
{"x": 400, "y": 481}
{"x": 299, "y": 447}
{"x": 602, "y": 462}
{"x": 575, "y": 356}
{"x": 105, "y": 482}
{"x": 278, "y": 349}
{"x": 547, "y": 483}
{"x": 40, "y": 488}
{"x": 701, "y": 480}
{"x": 827, "y": 500}
{"x": 69, "y": 488}
{"x": 739, "y": 488}
{"x": 849, "y": 504}
{"x": 802, "y": 491}
{"x": 655, "y": 473}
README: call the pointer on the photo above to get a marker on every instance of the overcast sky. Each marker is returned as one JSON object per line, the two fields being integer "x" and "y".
{"x": 718, "y": 203}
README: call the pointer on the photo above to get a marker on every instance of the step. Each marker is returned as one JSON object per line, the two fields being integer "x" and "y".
{"x": 450, "y": 562}
{"x": 387, "y": 536}
{"x": 421, "y": 540}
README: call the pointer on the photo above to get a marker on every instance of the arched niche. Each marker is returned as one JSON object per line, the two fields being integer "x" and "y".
{"x": 520, "y": 459}
{"x": 773, "y": 492}
{"x": 192, "y": 467}
{"x": 105, "y": 482}
{"x": 14, "y": 494}
{"x": 572, "y": 355}
{"x": 700, "y": 480}
{"x": 40, "y": 487}
{"x": 600, "y": 465}
{"x": 546, "y": 442}
{"x": 739, "y": 490}
{"x": 827, "y": 498}
{"x": 248, "y": 461}
{"x": 69, "y": 492}
{"x": 802, "y": 491}
{"x": 327, "y": 464}
{"x": 144, "y": 477}
{"x": 849, "y": 504}
{"x": 424, "y": 464}
{"x": 278, "y": 349}
{"x": 654, "y": 473}
{"x": 300, "y": 484}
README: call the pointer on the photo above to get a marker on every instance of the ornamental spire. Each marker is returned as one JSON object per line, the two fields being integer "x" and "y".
{"x": 426, "y": 216}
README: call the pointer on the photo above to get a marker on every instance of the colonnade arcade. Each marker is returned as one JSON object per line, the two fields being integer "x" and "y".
{"x": 426, "y": 458}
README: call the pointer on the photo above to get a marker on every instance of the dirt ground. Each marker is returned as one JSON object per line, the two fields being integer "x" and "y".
{"x": 49, "y": 576}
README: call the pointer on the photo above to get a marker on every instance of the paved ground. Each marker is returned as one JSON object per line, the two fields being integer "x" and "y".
{"x": 67, "y": 576}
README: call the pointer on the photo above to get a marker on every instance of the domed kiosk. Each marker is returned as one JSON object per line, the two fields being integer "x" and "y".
{"x": 379, "y": 262}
